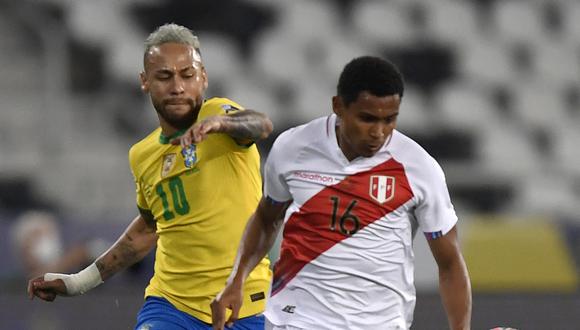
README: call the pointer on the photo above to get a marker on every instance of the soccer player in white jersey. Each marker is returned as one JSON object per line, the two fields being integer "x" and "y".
{"x": 354, "y": 191}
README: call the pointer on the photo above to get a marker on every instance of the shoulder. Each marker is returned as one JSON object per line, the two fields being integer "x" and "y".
{"x": 414, "y": 158}
{"x": 299, "y": 136}
{"x": 141, "y": 149}
{"x": 219, "y": 105}
{"x": 291, "y": 144}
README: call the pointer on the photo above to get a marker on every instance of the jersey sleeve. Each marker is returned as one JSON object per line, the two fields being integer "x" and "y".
{"x": 219, "y": 106}
{"x": 141, "y": 201}
{"x": 140, "y": 194}
{"x": 435, "y": 212}
{"x": 275, "y": 185}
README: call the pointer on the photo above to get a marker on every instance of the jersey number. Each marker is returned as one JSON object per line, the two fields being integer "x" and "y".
{"x": 348, "y": 223}
{"x": 180, "y": 204}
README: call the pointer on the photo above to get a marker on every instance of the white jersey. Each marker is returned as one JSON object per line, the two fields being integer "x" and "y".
{"x": 346, "y": 260}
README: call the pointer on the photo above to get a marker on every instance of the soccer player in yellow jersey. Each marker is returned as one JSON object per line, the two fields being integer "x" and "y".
{"x": 194, "y": 199}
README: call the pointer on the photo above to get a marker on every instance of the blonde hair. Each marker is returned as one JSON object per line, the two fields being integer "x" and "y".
{"x": 171, "y": 32}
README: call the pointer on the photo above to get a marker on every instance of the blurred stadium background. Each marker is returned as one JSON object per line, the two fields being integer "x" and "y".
{"x": 493, "y": 92}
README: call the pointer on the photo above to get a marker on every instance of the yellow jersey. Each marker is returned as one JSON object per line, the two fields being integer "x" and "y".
{"x": 201, "y": 201}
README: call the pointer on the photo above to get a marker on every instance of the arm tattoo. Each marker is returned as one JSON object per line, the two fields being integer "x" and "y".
{"x": 248, "y": 124}
{"x": 121, "y": 255}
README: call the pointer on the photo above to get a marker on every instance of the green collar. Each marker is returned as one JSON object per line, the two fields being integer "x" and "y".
{"x": 166, "y": 139}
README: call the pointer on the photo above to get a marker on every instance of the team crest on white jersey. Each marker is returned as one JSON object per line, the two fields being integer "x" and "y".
{"x": 382, "y": 188}
{"x": 168, "y": 163}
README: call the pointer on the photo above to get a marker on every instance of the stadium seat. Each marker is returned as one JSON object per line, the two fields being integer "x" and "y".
{"x": 221, "y": 58}
{"x": 570, "y": 10}
{"x": 305, "y": 18}
{"x": 383, "y": 23}
{"x": 123, "y": 47}
{"x": 293, "y": 51}
{"x": 313, "y": 99}
{"x": 21, "y": 58}
{"x": 252, "y": 93}
{"x": 65, "y": 179}
{"x": 539, "y": 105}
{"x": 279, "y": 57}
{"x": 19, "y": 116}
{"x": 549, "y": 194}
{"x": 340, "y": 49}
{"x": 517, "y": 21}
{"x": 487, "y": 61}
{"x": 557, "y": 62}
{"x": 454, "y": 23}
{"x": 466, "y": 105}
{"x": 566, "y": 150}
{"x": 415, "y": 115}
{"x": 425, "y": 65}
{"x": 508, "y": 152}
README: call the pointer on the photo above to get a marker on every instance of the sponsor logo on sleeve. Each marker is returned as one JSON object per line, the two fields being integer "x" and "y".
{"x": 229, "y": 108}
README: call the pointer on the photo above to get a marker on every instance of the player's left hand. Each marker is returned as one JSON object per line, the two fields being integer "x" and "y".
{"x": 231, "y": 298}
{"x": 199, "y": 131}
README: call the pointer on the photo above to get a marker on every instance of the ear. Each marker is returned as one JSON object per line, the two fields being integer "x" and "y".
{"x": 144, "y": 83}
{"x": 337, "y": 105}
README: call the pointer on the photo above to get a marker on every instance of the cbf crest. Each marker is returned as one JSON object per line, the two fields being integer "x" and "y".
{"x": 382, "y": 188}
{"x": 189, "y": 155}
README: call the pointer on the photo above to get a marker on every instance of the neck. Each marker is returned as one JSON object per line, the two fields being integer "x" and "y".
{"x": 343, "y": 145}
{"x": 166, "y": 129}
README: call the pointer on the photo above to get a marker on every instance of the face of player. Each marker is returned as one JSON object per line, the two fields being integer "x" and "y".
{"x": 175, "y": 79}
{"x": 365, "y": 124}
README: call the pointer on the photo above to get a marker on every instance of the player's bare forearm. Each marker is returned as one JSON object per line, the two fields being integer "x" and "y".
{"x": 248, "y": 125}
{"x": 259, "y": 236}
{"x": 133, "y": 245}
{"x": 456, "y": 295}
{"x": 245, "y": 127}
{"x": 454, "y": 283}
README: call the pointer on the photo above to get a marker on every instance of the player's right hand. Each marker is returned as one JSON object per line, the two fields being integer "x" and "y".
{"x": 46, "y": 290}
{"x": 200, "y": 130}
{"x": 231, "y": 298}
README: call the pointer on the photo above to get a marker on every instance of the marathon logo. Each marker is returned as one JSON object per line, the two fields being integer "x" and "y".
{"x": 315, "y": 177}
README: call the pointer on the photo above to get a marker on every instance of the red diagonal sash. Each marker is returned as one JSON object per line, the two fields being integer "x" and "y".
{"x": 311, "y": 230}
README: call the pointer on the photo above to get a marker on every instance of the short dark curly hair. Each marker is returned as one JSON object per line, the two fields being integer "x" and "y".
{"x": 369, "y": 73}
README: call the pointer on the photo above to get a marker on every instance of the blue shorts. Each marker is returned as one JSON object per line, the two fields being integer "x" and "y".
{"x": 159, "y": 314}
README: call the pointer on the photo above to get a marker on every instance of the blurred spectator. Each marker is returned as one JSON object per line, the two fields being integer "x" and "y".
{"x": 39, "y": 246}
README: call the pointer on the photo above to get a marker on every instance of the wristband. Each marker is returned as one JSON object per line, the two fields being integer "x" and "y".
{"x": 79, "y": 283}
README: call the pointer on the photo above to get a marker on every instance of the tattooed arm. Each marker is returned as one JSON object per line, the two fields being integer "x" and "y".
{"x": 244, "y": 126}
{"x": 137, "y": 240}
{"x": 247, "y": 126}
{"x": 133, "y": 245}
